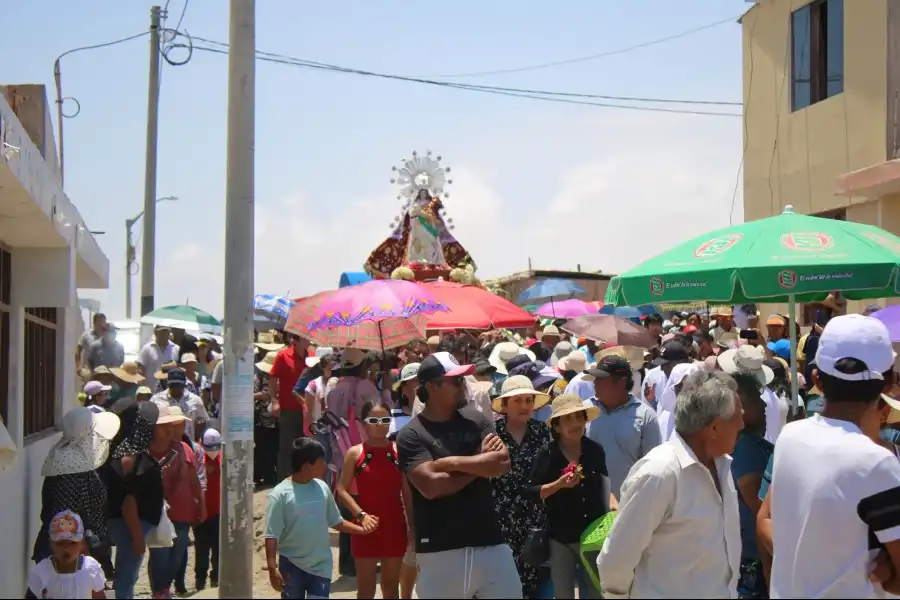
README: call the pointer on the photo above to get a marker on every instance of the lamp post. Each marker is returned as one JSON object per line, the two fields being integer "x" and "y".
{"x": 130, "y": 252}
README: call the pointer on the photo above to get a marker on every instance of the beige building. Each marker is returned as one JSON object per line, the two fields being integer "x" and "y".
{"x": 47, "y": 252}
{"x": 821, "y": 94}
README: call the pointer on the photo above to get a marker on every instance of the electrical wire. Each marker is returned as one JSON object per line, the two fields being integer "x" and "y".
{"x": 326, "y": 66}
{"x": 590, "y": 57}
{"x": 561, "y": 97}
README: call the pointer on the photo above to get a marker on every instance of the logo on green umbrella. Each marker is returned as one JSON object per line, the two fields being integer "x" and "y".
{"x": 807, "y": 241}
{"x": 787, "y": 279}
{"x": 657, "y": 287}
{"x": 883, "y": 241}
{"x": 717, "y": 245}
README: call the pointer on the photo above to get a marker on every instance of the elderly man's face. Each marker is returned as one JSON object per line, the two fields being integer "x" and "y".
{"x": 724, "y": 432}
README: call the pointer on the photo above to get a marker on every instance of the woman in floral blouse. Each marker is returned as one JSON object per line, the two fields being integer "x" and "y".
{"x": 518, "y": 511}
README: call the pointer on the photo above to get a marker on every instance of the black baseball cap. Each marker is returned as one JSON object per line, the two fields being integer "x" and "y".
{"x": 611, "y": 366}
{"x": 672, "y": 352}
{"x": 176, "y": 376}
{"x": 440, "y": 365}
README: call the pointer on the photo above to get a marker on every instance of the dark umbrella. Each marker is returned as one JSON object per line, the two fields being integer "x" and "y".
{"x": 610, "y": 329}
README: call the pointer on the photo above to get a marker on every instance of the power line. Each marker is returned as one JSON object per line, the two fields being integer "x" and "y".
{"x": 549, "y": 96}
{"x": 590, "y": 57}
{"x": 104, "y": 44}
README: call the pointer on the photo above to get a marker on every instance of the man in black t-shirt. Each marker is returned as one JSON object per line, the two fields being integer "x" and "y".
{"x": 448, "y": 453}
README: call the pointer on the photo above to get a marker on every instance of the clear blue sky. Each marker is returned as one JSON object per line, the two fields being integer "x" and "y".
{"x": 558, "y": 183}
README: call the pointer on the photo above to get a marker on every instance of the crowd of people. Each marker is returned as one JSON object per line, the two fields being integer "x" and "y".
{"x": 478, "y": 465}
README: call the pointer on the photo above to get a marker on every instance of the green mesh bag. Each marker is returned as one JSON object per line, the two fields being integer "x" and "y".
{"x": 592, "y": 542}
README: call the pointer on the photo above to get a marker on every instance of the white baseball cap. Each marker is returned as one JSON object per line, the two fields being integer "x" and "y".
{"x": 855, "y": 336}
{"x": 321, "y": 353}
{"x": 212, "y": 439}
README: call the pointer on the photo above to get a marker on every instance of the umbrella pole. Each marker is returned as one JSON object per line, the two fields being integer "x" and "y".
{"x": 795, "y": 381}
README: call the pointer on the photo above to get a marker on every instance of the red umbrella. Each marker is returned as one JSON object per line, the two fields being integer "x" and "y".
{"x": 473, "y": 307}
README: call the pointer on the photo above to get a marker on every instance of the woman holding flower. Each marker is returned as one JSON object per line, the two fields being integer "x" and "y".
{"x": 570, "y": 476}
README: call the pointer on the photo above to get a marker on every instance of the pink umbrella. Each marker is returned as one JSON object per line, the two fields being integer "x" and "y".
{"x": 567, "y": 309}
{"x": 380, "y": 336}
{"x": 375, "y": 301}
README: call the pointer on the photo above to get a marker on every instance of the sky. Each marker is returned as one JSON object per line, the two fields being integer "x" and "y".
{"x": 558, "y": 184}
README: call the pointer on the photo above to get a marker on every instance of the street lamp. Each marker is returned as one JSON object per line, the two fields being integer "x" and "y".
{"x": 131, "y": 266}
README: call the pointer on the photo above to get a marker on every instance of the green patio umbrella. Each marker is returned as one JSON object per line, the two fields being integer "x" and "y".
{"x": 184, "y": 316}
{"x": 777, "y": 259}
{"x": 787, "y": 258}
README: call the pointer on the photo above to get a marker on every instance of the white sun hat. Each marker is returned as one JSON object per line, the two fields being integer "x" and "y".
{"x": 748, "y": 360}
{"x": 504, "y": 352}
{"x": 84, "y": 445}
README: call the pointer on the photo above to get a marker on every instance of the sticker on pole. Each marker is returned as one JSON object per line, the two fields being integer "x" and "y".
{"x": 237, "y": 398}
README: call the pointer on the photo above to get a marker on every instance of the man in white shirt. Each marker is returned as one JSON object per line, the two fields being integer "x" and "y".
{"x": 157, "y": 352}
{"x": 835, "y": 494}
{"x": 677, "y": 533}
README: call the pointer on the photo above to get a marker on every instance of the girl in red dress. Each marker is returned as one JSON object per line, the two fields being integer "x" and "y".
{"x": 377, "y": 507}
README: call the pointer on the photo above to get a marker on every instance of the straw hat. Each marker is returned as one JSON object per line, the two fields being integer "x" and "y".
{"x": 894, "y": 416}
{"x": 128, "y": 372}
{"x": 574, "y": 361}
{"x": 268, "y": 361}
{"x": 143, "y": 391}
{"x": 266, "y": 341}
{"x": 170, "y": 414}
{"x": 188, "y": 358}
{"x": 748, "y": 360}
{"x": 722, "y": 311}
{"x": 518, "y": 385}
{"x": 570, "y": 403}
{"x": 84, "y": 445}
{"x": 503, "y": 352}
{"x": 164, "y": 369}
{"x": 634, "y": 355}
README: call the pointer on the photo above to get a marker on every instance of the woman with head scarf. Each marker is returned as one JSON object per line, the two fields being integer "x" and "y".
{"x": 71, "y": 481}
{"x": 134, "y": 487}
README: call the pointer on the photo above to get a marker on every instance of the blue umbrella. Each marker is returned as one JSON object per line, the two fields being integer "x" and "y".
{"x": 628, "y": 312}
{"x": 549, "y": 288}
{"x": 272, "y": 307}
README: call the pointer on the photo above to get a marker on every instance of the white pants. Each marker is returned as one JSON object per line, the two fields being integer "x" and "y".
{"x": 483, "y": 572}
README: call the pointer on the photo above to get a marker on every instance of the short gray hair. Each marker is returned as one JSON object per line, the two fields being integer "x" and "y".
{"x": 704, "y": 398}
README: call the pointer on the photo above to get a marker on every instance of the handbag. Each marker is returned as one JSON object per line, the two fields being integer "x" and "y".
{"x": 536, "y": 549}
{"x": 163, "y": 535}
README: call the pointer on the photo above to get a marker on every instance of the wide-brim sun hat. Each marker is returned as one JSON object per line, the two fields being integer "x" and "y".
{"x": 748, "y": 360}
{"x": 574, "y": 361}
{"x": 518, "y": 385}
{"x": 268, "y": 361}
{"x": 568, "y": 404}
{"x": 84, "y": 445}
{"x": 504, "y": 351}
{"x": 127, "y": 372}
{"x": 266, "y": 341}
{"x": 170, "y": 415}
{"x": 321, "y": 353}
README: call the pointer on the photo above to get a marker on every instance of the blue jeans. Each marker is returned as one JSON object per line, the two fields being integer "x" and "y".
{"x": 128, "y": 564}
{"x": 300, "y": 584}
{"x": 164, "y": 562}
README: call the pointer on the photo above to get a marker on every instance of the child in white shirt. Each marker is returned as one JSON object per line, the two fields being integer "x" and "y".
{"x": 68, "y": 572}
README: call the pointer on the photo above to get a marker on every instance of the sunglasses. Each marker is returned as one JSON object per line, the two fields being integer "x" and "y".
{"x": 378, "y": 420}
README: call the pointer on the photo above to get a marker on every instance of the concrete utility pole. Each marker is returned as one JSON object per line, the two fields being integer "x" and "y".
{"x": 236, "y": 533}
{"x": 130, "y": 253}
{"x": 148, "y": 262}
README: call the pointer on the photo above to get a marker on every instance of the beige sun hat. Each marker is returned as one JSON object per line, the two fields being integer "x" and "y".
{"x": 894, "y": 416}
{"x": 171, "y": 414}
{"x": 84, "y": 445}
{"x": 268, "y": 361}
{"x": 568, "y": 404}
{"x": 633, "y": 354}
{"x": 503, "y": 352}
{"x": 128, "y": 372}
{"x": 576, "y": 360}
{"x": 748, "y": 360}
{"x": 266, "y": 341}
{"x": 187, "y": 358}
{"x": 164, "y": 370}
{"x": 518, "y": 385}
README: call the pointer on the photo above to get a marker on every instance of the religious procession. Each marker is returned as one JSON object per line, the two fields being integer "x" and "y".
{"x": 435, "y": 436}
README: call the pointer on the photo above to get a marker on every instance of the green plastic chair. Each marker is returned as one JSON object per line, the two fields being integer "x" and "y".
{"x": 592, "y": 542}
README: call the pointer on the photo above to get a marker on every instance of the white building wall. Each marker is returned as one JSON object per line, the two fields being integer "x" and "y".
{"x": 41, "y": 278}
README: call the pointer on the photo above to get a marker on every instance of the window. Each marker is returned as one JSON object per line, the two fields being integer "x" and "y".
{"x": 5, "y": 300}
{"x": 40, "y": 369}
{"x": 817, "y": 52}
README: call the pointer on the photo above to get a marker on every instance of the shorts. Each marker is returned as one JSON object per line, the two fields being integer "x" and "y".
{"x": 409, "y": 559}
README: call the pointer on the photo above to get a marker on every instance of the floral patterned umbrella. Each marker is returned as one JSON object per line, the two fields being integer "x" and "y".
{"x": 369, "y": 335}
{"x": 375, "y": 301}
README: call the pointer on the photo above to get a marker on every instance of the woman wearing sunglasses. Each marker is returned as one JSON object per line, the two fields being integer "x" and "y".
{"x": 371, "y": 467}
